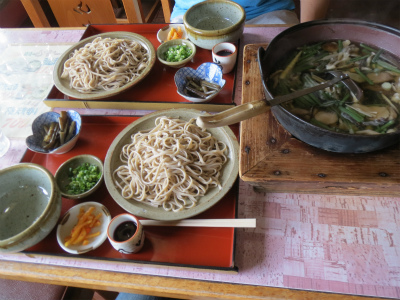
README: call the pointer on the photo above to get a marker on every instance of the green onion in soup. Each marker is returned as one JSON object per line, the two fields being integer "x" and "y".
{"x": 335, "y": 108}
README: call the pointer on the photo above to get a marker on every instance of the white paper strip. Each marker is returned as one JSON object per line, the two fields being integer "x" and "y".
{"x": 237, "y": 223}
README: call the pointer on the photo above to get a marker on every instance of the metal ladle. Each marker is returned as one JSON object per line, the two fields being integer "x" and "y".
{"x": 252, "y": 109}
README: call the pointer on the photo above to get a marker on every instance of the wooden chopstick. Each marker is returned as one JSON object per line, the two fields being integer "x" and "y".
{"x": 237, "y": 223}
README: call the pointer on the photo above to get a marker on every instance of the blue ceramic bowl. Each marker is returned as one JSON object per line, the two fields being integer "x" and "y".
{"x": 208, "y": 71}
{"x": 34, "y": 142}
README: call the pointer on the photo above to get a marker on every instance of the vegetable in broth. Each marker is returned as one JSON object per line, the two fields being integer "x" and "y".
{"x": 336, "y": 108}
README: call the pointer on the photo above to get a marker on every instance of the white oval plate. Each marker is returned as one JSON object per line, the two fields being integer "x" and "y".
{"x": 70, "y": 219}
{"x": 229, "y": 172}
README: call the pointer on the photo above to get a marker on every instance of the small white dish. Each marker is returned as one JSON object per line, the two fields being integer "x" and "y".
{"x": 162, "y": 34}
{"x": 207, "y": 71}
{"x": 70, "y": 219}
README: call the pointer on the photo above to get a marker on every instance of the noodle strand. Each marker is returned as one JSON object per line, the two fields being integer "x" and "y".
{"x": 171, "y": 165}
{"x": 105, "y": 64}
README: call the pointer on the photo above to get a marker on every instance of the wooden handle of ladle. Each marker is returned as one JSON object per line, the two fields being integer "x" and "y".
{"x": 233, "y": 115}
{"x": 252, "y": 109}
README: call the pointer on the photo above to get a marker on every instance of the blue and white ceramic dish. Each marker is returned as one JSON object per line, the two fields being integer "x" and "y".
{"x": 34, "y": 142}
{"x": 207, "y": 71}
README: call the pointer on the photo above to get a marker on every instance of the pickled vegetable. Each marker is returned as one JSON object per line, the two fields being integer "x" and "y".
{"x": 58, "y": 133}
{"x": 174, "y": 34}
{"x": 200, "y": 88}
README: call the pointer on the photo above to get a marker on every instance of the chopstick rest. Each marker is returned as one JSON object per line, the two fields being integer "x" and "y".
{"x": 236, "y": 223}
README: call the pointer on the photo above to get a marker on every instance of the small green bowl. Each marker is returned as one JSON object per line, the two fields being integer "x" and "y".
{"x": 30, "y": 205}
{"x": 164, "y": 47}
{"x": 62, "y": 179}
{"x": 212, "y": 22}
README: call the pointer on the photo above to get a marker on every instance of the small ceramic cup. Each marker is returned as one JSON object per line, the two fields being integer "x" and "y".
{"x": 125, "y": 233}
{"x": 224, "y": 55}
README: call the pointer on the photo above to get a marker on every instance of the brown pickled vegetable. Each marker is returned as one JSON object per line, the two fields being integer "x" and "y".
{"x": 63, "y": 120}
{"x": 49, "y": 132}
{"x": 200, "y": 88}
{"x": 53, "y": 136}
{"x": 71, "y": 130}
{"x": 58, "y": 133}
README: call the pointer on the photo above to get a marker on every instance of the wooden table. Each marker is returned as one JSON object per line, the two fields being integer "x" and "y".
{"x": 292, "y": 254}
{"x": 153, "y": 285}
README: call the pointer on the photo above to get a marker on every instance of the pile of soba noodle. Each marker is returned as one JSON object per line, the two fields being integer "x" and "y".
{"x": 105, "y": 64}
{"x": 171, "y": 165}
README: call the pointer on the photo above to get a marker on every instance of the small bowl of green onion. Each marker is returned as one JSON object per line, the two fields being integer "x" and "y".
{"x": 80, "y": 176}
{"x": 176, "y": 53}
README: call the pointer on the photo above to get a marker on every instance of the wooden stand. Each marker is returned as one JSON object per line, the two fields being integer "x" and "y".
{"x": 272, "y": 160}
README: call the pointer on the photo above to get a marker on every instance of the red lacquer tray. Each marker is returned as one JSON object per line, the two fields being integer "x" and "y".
{"x": 158, "y": 89}
{"x": 209, "y": 248}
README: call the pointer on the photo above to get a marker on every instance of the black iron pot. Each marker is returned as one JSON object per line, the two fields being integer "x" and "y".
{"x": 286, "y": 42}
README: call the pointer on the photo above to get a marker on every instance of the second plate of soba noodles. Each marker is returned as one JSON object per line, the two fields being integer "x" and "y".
{"x": 104, "y": 65}
{"x": 164, "y": 167}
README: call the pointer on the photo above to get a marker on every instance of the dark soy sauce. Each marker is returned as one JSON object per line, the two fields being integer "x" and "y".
{"x": 124, "y": 231}
{"x": 224, "y": 52}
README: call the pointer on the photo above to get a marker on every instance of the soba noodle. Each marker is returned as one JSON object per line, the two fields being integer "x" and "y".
{"x": 105, "y": 64}
{"x": 171, "y": 165}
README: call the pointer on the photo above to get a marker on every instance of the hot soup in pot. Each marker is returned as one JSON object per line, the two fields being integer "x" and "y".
{"x": 336, "y": 108}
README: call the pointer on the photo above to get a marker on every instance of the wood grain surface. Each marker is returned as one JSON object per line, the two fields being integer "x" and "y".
{"x": 271, "y": 159}
{"x": 155, "y": 285}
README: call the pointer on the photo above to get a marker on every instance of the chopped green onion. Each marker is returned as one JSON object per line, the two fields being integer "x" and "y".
{"x": 384, "y": 127}
{"x": 368, "y": 48}
{"x": 303, "y": 102}
{"x": 177, "y": 53}
{"x": 329, "y": 103}
{"x": 358, "y": 71}
{"x": 388, "y": 66}
{"x": 355, "y": 115}
{"x": 345, "y": 98}
{"x": 340, "y": 45}
{"x": 375, "y": 59}
{"x": 358, "y": 58}
{"x": 82, "y": 178}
